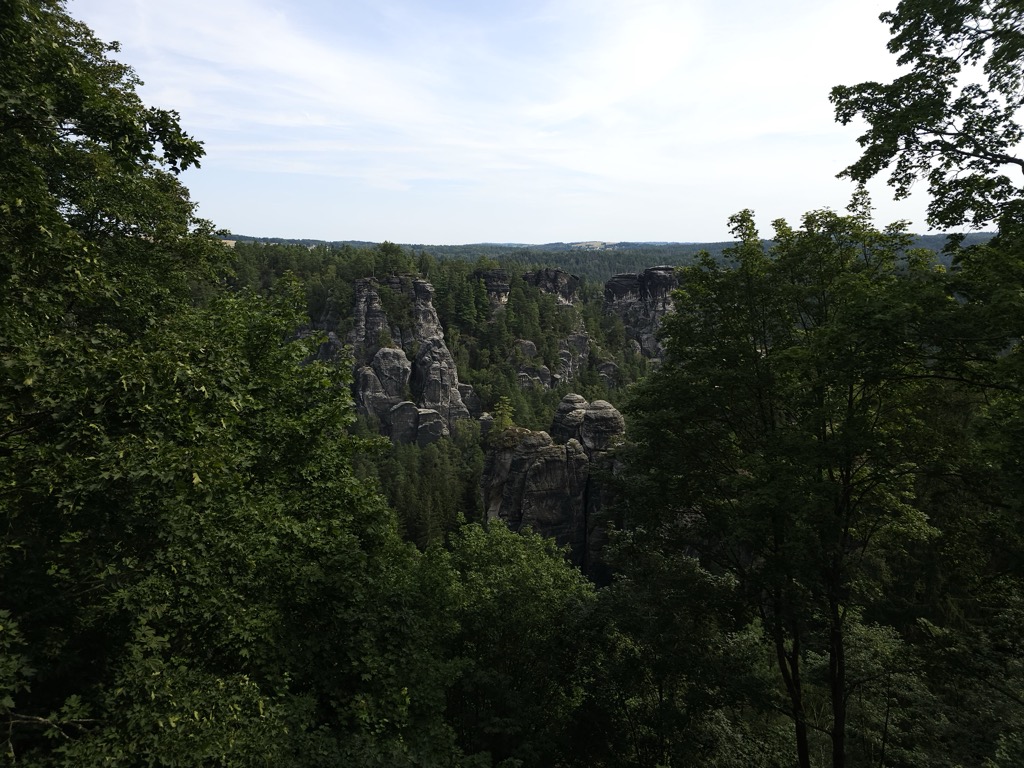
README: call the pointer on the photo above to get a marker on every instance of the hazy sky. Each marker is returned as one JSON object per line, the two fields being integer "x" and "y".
{"x": 532, "y": 121}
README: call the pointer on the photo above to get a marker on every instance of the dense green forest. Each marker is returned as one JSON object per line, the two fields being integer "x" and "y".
{"x": 593, "y": 264}
{"x": 435, "y": 488}
{"x": 208, "y": 559}
{"x": 483, "y": 340}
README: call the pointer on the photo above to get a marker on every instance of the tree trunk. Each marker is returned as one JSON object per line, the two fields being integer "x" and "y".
{"x": 837, "y": 680}
{"x": 789, "y": 666}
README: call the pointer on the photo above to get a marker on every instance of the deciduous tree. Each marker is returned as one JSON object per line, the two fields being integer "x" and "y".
{"x": 781, "y": 441}
{"x": 953, "y": 117}
{"x": 190, "y": 572}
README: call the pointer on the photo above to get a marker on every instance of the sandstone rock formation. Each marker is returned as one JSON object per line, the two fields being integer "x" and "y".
{"x": 609, "y": 374}
{"x": 642, "y": 300}
{"x": 402, "y": 364}
{"x": 555, "y": 281}
{"x": 497, "y": 284}
{"x": 594, "y": 425}
{"x": 533, "y": 483}
{"x": 529, "y": 376}
{"x": 573, "y": 356}
{"x": 471, "y": 400}
{"x": 531, "y": 372}
{"x": 550, "y": 482}
{"x": 405, "y": 423}
{"x": 573, "y": 353}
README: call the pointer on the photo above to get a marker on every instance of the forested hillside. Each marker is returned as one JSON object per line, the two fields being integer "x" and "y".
{"x": 592, "y": 261}
{"x": 271, "y": 504}
{"x": 442, "y": 350}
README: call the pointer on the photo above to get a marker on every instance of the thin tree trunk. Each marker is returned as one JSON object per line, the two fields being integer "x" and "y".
{"x": 789, "y": 666}
{"x": 837, "y": 679}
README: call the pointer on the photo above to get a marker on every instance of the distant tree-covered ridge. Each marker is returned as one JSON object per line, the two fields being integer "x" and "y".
{"x": 593, "y": 262}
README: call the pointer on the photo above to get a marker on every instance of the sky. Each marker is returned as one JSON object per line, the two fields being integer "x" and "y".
{"x": 526, "y": 121}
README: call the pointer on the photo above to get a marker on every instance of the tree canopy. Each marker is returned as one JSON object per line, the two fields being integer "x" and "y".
{"x": 953, "y": 118}
{"x": 811, "y": 446}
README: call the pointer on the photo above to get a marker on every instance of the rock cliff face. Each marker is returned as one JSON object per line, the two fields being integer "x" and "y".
{"x": 562, "y": 284}
{"x": 531, "y": 372}
{"x": 405, "y": 375}
{"x": 573, "y": 352}
{"x": 530, "y": 482}
{"x": 496, "y": 283}
{"x": 550, "y": 482}
{"x": 642, "y": 300}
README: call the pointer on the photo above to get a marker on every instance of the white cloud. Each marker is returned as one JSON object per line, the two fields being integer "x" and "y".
{"x": 571, "y": 113}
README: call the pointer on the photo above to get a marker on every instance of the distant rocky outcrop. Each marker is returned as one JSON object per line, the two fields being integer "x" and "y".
{"x": 406, "y": 423}
{"x": 555, "y": 281}
{"x": 596, "y": 425}
{"x": 404, "y": 373}
{"x": 573, "y": 350}
{"x": 573, "y": 354}
{"x": 405, "y": 376}
{"x": 471, "y": 400}
{"x": 642, "y": 300}
{"x": 609, "y": 374}
{"x": 530, "y": 482}
{"x": 496, "y": 282}
{"x": 531, "y": 371}
{"x": 550, "y": 482}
